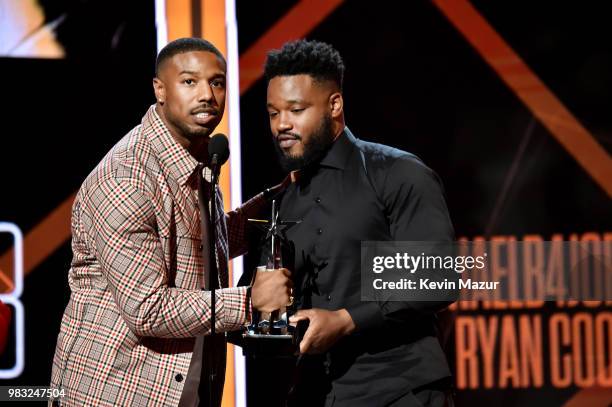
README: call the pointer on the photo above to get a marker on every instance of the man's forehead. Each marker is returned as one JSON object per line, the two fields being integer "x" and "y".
{"x": 291, "y": 85}
{"x": 191, "y": 61}
{"x": 295, "y": 88}
{"x": 291, "y": 81}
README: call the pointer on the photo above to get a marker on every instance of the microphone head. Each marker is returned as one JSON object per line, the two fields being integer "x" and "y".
{"x": 219, "y": 146}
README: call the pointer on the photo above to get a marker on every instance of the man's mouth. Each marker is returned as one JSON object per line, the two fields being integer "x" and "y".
{"x": 286, "y": 141}
{"x": 204, "y": 116}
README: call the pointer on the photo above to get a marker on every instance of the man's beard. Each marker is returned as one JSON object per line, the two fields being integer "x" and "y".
{"x": 316, "y": 147}
{"x": 194, "y": 132}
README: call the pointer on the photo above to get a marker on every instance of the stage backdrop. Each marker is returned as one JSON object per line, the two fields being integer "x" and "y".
{"x": 508, "y": 102}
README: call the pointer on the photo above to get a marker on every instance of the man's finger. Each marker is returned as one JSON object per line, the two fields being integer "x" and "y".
{"x": 297, "y": 318}
{"x": 306, "y": 342}
{"x": 301, "y": 315}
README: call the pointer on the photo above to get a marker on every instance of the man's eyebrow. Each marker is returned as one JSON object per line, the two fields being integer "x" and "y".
{"x": 289, "y": 102}
{"x": 196, "y": 73}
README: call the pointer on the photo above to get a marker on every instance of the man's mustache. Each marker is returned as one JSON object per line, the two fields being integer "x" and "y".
{"x": 205, "y": 109}
{"x": 287, "y": 134}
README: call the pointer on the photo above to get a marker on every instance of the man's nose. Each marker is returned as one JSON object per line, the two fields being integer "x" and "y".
{"x": 284, "y": 124}
{"x": 205, "y": 93}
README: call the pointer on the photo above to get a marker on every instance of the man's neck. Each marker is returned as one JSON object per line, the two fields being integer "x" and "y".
{"x": 198, "y": 149}
{"x": 338, "y": 127}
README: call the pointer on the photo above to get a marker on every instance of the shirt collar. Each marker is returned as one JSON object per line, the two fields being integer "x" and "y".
{"x": 174, "y": 158}
{"x": 340, "y": 151}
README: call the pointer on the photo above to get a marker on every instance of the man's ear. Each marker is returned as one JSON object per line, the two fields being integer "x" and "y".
{"x": 160, "y": 90}
{"x": 336, "y": 104}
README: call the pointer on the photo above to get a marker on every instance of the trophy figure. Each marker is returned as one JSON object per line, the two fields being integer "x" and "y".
{"x": 274, "y": 324}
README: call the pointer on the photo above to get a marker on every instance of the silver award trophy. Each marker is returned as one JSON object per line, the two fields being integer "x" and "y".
{"x": 273, "y": 325}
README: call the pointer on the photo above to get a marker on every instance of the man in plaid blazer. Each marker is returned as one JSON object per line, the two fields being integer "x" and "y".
{"x": 127, "y": 334}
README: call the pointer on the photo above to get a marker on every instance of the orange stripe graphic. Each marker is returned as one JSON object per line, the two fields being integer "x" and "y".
{"x": 593, "y": 397}
{"x": 6, "y": 281}
{"x": 44, "y": 238}
{"x": 531, "y": 90}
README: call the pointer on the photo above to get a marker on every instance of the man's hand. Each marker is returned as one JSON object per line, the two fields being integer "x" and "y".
{"x": 325, "y": 328}
{"x": 271, "y": 289}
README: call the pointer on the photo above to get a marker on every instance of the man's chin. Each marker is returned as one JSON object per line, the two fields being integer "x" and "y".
{"x": 291, "y": 163}
{"x": 288, "y": 155}
{"x": 201, "y": 132}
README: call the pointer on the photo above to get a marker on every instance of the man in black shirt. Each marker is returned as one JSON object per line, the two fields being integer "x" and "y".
{"x": 347, "y": 191}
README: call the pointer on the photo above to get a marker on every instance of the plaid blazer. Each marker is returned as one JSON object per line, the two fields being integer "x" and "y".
{"x": 127, "y": 333}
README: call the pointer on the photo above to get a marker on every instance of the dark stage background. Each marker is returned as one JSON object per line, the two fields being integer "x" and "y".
{"x": 412, "y": 81}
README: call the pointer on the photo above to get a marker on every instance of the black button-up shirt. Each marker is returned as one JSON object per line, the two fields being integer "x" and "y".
{"x": 358, "y": 192}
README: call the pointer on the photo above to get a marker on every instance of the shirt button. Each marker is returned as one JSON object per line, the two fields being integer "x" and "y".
{"x": 201, "y": 247}
{"x": 178, "y": 377}
{"x": 319, "y": 231}
{"x": 318, "y": 200}
{"x": 328, "y": 298}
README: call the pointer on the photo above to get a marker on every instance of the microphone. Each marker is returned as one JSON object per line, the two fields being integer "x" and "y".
{"x": 218, "y": 152}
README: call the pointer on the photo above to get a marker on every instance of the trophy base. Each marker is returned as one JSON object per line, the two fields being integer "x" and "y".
{"x": 266, "y": 345}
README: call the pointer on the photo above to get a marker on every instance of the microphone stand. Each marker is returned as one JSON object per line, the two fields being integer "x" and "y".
{"x": 213, "y": 272}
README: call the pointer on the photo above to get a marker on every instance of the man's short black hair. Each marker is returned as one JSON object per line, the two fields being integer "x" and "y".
{"x": 314, "y": 58}
{"x": 185, "y": 45}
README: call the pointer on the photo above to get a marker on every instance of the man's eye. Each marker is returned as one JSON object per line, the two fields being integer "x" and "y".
{"x": 297, "y": 110}
{"x": 218, "y": 84}
{"x": 272, "y": 114}
{"x": 188, "y": 81}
